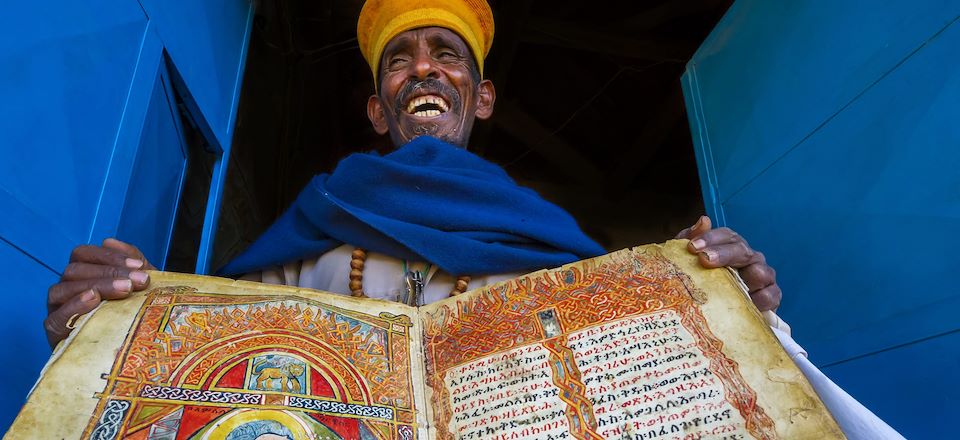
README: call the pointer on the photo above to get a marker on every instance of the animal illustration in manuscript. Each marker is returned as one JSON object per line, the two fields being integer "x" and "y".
{"x": 287, "y": 375}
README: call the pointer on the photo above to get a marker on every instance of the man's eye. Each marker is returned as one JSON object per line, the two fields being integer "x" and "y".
{"x": 447, "y": 54}
{"x": 396, "y": 61}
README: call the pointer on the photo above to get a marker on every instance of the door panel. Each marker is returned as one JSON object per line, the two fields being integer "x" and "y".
{"x": 863, "y": 203}
{"x": 826, "y": 134}
{"x": 156, "y": 180}
{"x": 58, "y": 122}
{"x": 207, "y": 42}
{"x": 921, "y": 407}
{"x": 781, "y": 69}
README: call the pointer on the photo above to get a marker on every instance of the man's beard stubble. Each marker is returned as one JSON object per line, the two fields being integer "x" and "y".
{"x": 433, "y": 86}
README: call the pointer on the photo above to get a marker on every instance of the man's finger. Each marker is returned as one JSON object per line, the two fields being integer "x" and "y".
{"x": 104, "y": 256}
{"x": 735, "y": 255}
{"x": 56, "y": 322}
{"x": 714, "y": 237}
{"x": 86, "y": 271}
{"x": 767, "y": 298}
{"x": 701, "y": 226}
{"x": 129, "y": 250}
{"x": 758, "y": 275}
{"x": 63, "y": 292}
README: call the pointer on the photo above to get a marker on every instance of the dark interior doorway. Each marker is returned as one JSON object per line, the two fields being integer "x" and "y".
{"x": 589, "y": 111}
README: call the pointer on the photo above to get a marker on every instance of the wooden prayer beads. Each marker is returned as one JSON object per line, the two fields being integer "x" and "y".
{"x": 359, "y": 257}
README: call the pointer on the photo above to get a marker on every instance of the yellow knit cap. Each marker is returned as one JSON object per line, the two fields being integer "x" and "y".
{"x": 381, "y": 20}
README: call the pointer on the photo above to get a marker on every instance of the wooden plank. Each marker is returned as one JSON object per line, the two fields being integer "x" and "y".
{"x": 651, "y": 136}
{"x": 519, "y": 124}
{"x": 571, "y": 35}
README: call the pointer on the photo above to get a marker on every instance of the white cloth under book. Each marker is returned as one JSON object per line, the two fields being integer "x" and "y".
{"x": 856, "y": 421}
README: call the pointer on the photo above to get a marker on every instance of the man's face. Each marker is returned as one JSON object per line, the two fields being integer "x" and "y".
{"x": 429, "y": 85}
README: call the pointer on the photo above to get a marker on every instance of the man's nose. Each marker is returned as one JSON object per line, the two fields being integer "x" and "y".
{"x": 424, "y": 67}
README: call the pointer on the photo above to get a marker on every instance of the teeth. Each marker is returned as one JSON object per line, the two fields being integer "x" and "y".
{"x": 428, "y": 99}
{"x": 427, "y": 113}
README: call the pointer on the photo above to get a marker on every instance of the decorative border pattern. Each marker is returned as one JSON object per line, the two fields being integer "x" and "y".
{"x": 111, "y": 420}
{"x": 209, "y": 396}
{"x": 350, "y": 409}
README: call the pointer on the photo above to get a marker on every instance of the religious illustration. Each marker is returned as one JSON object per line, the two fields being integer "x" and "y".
{"x": 213, "y": 366}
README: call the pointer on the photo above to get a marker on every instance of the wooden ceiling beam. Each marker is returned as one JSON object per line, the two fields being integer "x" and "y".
{"x": 512, "y": 17}
{"x": 668, "y": 11}
{"x": 572, "y": 35}
{"x": 558, "y": 153}
{"x": 652, "y": 136}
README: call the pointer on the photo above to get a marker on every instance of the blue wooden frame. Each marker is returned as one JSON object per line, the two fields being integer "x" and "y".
{"x": 701, "y": 146}
{"x": 148, "y": 72}
{"x": 215, "y": 198}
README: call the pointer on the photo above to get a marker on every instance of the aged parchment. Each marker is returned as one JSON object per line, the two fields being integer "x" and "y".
{"x": 642, "y": 343}
{"x": 201, "y": 357}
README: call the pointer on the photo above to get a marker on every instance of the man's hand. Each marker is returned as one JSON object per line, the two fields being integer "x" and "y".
{"x": 723, "y": 247}
{"x": 95, "y": 273}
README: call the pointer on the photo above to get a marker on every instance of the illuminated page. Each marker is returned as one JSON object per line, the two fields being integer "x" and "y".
{"x": 208, "y": 358}
{"x": 639, "y": 344}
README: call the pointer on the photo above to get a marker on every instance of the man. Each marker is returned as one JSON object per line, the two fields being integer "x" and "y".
{"x": 430, "y": 208}
{"x": 462, "y": 217}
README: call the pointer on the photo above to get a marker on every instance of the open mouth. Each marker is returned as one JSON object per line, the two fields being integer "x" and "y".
{"x": 427, "y": 106}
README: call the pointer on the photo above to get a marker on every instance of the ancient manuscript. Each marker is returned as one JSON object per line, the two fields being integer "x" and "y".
{"x": 638, "y": 344}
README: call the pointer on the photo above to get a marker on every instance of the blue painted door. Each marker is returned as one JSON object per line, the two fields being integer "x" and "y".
{"x": 826, "y": 133}
{"x": 91, "y": 141}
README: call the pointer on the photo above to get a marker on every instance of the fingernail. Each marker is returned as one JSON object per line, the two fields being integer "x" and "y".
{"x": 697, "y": 224}
{"x": 88, "y": 296}
{"x": 138, "y": 277}
{"x": 698, "y": 243}
{"x": 122, "y": 285}
{"x": 134, "y": 263}
{"x": 710, "y": 255}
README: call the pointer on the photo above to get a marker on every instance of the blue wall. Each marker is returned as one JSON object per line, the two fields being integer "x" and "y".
{"x": 827, "y": 134}
{"x": 92, "y": 144}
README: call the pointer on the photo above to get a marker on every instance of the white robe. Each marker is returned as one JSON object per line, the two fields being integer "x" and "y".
{"x": 384, "y": 278}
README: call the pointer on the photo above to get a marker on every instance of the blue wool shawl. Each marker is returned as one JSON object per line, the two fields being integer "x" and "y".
{"x": 427, "y": 201}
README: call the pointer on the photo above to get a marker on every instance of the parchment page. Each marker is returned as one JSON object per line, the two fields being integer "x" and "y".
{"x": 202, "y": 357}
{"x": 639, "y": 344}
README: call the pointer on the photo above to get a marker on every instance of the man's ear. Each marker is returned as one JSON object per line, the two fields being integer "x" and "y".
{"x": 486, "y": 97}
{"x": 376, "y": 115}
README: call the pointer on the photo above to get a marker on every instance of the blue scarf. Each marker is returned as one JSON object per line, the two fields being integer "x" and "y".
{"x": 427, "y": 201}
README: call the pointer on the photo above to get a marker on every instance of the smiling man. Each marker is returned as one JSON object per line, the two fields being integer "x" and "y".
{"x": 424, "y": 222}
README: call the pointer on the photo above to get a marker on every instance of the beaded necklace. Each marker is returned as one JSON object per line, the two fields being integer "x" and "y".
{"x": 414, "y": 279}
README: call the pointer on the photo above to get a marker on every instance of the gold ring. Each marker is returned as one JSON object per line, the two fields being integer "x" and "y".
{"x": 72, "y": 322}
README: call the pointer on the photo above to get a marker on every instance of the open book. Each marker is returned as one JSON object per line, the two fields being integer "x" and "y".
{"x": 639, "y": 344}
